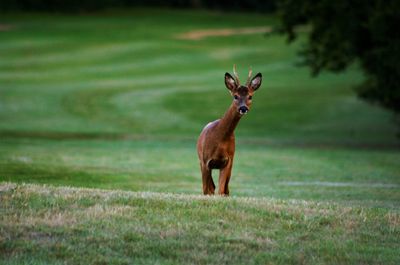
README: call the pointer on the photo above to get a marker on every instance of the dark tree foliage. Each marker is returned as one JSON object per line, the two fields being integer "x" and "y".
{"x": 91, "y": 5}
{"x": 344, "y": 31}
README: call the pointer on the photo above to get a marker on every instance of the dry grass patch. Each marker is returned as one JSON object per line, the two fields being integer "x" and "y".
{"x": 226, "y": 32}
{"x": 6, "y": 27}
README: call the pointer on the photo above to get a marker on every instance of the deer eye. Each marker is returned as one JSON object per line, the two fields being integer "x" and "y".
{"x": 250, "y": 97}
{"x": 236, "y": 97}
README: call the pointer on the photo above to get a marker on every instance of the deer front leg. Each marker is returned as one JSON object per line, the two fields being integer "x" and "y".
{"x": 224, "y": 177}
{"x": 208, "y": 183}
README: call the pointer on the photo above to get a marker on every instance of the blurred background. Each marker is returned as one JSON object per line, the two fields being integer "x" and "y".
{"x": 113, "y": 94}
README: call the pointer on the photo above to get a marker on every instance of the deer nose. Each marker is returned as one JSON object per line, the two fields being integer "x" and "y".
{"x": 243, "y": 110}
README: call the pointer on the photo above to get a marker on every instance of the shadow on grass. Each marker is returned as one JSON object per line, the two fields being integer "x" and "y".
{"x": 306, "y": 144}
{"x": 56, "y": 175}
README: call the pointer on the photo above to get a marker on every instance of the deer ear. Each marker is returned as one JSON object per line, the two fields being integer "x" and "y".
{"x": 256, "y": 82}
{"x": 230, "y": 82}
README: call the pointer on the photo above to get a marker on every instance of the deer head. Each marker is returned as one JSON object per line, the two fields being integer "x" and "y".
{"x": 242, "y": 95}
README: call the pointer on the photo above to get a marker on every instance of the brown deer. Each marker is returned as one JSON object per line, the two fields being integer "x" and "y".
{"x": 216, "y": 144}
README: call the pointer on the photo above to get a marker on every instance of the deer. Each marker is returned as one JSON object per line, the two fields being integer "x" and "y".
{"x": 216, "y": 143}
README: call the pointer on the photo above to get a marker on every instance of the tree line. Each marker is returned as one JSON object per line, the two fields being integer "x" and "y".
{"x": 94, "y": 5}
{"x": 348, "y": 31}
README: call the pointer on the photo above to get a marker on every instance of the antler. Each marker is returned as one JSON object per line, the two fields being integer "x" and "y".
{"x": 249, "y": 77}
{"x": 235, "y": 75}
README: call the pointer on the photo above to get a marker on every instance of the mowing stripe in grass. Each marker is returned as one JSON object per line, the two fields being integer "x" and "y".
{"x": 339, "y": 184}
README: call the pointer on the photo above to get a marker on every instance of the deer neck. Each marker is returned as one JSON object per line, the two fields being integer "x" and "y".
{"x": 228, "y": 122}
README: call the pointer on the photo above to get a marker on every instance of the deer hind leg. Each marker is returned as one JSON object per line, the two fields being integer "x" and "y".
{"x": 224, "y": 177}
{"x": 208, "y": 183}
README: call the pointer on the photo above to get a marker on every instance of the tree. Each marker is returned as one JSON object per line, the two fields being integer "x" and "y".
{"x": 344, "y": 31}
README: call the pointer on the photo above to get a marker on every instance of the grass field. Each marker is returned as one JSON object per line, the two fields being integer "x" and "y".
{"x": 116, "y": 100}
{"x": 48, "y": 225}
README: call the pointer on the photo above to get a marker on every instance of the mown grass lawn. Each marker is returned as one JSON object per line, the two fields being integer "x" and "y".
{"x": 369, "y": 178}
{"x": 46, "y": 225}
{"x": 116, "y": 100}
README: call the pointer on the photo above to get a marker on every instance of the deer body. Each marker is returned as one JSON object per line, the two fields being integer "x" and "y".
{"x": 216, "y": 144}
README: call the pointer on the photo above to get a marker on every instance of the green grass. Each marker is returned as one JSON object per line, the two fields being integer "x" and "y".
{"x": 115, "y": 73}
{"x": 115, "y": 101}
{"x": 363, "y": 177}
{"x": 47, "y": 225}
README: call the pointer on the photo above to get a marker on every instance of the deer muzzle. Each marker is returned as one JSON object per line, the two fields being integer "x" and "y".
{"x": 243, "y": 110}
